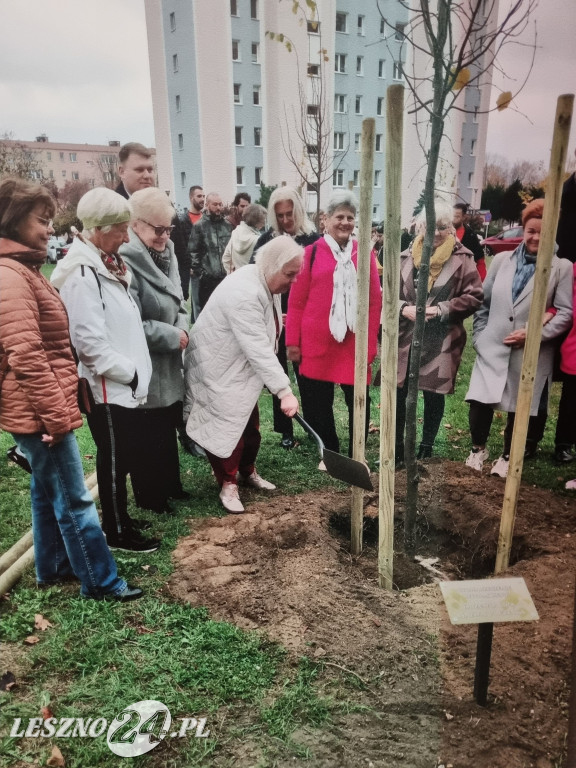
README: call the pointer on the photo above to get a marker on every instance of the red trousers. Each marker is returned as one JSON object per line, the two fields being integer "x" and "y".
{"x": 243, "y": 457}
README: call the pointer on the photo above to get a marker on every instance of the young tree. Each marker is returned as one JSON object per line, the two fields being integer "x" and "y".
{"x": 458, "y": 42}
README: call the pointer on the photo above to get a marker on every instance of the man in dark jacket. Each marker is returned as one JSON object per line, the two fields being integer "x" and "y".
{"x": 566, "y": 233}
{"x": 468, "y": 239}
{"x": 207, "y": 243}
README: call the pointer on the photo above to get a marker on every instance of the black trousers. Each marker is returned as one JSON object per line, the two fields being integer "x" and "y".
{"x": 206, "y": 288}
{"x": 318, "y": 409}
{"x": 433, "y": 413}
{"x": 566, "y": 424}
{"x": 283, "y": 424}
{"x": 115, "y": 430}
{"x": 156, "y": 473}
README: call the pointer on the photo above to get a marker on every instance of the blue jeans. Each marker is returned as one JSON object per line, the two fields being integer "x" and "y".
{"x": 68, "y": 538}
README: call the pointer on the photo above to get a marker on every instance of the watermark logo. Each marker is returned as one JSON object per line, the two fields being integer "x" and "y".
{"x": 136, "y": 730}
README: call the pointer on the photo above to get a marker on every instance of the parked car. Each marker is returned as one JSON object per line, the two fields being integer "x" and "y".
{"x": 507, "y": 240}
{"x": 53, "y": 249}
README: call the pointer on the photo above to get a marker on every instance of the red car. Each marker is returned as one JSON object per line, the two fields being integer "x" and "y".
{"x": 507, "y": 240}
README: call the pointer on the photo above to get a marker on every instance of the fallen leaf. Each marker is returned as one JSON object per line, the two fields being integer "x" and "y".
{"x": 141, "y": 630}
{"x": 41, "y": 623}
{"x": 89, "y": 456}
{"x": 7, "y": 681}
{"x": 447, "y": 426}
{"x": 145, "y": 567}
{"x": 46, "y": 713}
{"x": 377, "y": 622}
{"x": 56, "y": 759}
{"x": 319, "y": 652}
{"x": 448, "y": 716}
{"x": 32, "y": 640}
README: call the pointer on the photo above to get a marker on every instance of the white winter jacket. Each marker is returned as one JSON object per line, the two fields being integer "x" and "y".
{"x": 240, "y": 247}
{"x": 230, "y": 357}
{"x": 105, "y": 327}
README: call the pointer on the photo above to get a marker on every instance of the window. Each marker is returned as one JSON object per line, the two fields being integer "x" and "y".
{"x": 338, "y": 141}
{"x": 255, "y": 53}
{"x": 339, "y": 103}
{"x": 237, "y": 93}
{"x": 257, "y": 137}
{"x": 341, "y": 22}
{"x": 312, "y": 149}
{"x": 313, "y": 27}
{"x": 338, "y": 178}
{"x": 470, "y": 178}
{"x": 238, "y": 135}
{"x": 381, "y": 68}
{"x": 399, "y": 33}
{"x": 180, "y": 141}
{"x": 377, "y": 176}
{"x": 358, "y": 105}
{"x": 233, "y": 7}
{"x": 314, "y": 70}
{"x": 178, "y": 105}
{"x": 61, "y": 155}
{"x": 361, "y": 25}
{"x": 240, "y": 175}
{"x": 175, "y": 63}
{"x": 473, "y": 146}
{"x": 340, "y": 63}
{"x": 256, "y": 95}
{"x": 357, "y": 142}
{"x": 397, "y": 71}
{"x": 356, "y": 178}
{"x": 63, "y": 174}
{"x": 359, "y": 65}
{"x": 379, "y": 142}
{"x": 312, "y": 109}
{"x": 236, "y": 50}
{"x": 382, "y": 26}
{"x": 51, "y": 174}
{"x": 173, "y": 22}
{"x": 75, "y": 175}
{"x": 48, "y": 155}
{"x": 183, "y": 179}
{"x": 380, "y": 106}
{"x": 253, "y": 9}
{"x": 72, "y": 157}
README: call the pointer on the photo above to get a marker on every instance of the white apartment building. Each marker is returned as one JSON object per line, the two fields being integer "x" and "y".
{"x": 228, "y": 98}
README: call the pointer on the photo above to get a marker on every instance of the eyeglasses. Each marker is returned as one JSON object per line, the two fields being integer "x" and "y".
{"x": 159, "y": 231}
{"x": 441, "y": 227}
{"x": 47, "y": 222}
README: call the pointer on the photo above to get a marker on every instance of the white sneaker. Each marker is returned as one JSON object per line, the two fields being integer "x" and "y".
{"x": 230, "y": 498}
{"x": 255, "y": 481}
{"x": 476, "y": 459}
{"x": 500, "y": 467}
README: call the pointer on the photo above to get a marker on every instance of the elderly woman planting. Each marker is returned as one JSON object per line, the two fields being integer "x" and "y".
{"x": 230, "y": 357}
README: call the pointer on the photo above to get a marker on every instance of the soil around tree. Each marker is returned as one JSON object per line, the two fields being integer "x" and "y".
{"x": 284, "y": 568}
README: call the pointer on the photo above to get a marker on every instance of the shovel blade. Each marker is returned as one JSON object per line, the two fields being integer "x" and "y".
{"x": 348, "y": 470}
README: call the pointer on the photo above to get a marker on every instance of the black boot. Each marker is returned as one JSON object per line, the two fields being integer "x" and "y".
{"x": 424, "y": 451}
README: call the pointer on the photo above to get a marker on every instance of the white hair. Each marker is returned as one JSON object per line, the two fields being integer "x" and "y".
{"x": 342, "y": 199}
{"x": 302, "y": 224}
{"x": 148, "y": 202}
{"x": 275, "y": 254}
{"x": 444, "y": 215}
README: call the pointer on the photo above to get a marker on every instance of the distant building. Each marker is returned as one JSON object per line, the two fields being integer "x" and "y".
{"x": 95, "y": 163}
{"x": 227, "y": 99}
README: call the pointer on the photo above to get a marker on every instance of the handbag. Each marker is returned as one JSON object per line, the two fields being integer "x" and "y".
{"x": 86, "y": 401}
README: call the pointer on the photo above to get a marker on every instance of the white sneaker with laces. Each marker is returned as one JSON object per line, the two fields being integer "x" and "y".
{"x": 500, "y": 467}
{"x": 230, "y": 498}
{"x": 476, "y": 459}
{"x": 255, "y": 481}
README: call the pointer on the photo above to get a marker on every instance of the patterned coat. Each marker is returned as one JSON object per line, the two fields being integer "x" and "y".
{"x": 458, "y": 293}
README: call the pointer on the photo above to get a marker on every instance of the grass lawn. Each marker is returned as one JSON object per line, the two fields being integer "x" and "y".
{"x": 98, "y": 658}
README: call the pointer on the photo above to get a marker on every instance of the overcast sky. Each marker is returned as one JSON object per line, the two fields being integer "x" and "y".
{"x": 77, "y": 70}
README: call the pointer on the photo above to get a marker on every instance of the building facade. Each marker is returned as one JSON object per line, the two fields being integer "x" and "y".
{"x": 247, "y": 91}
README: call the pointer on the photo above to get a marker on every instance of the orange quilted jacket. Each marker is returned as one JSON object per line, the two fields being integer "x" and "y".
{"x": 39, "y": 389}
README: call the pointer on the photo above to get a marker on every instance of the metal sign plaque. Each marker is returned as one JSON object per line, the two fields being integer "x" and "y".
{"x": 488, "y": 601}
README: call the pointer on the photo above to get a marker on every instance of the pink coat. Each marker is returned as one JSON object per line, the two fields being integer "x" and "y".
{"x": 309, "y": 305}
{"x": 568, "y": 349}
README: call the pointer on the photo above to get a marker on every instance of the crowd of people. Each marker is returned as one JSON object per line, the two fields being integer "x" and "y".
{"x": 113, "y": 324}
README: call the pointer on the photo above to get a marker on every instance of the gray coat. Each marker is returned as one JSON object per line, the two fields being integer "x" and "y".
{"x": 164, "y": 315}
{"x": 496, "y": 374}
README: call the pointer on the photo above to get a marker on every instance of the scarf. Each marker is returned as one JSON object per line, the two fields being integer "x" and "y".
{"x": 525, "y": 268}
{"x": 343, "y": 309}
{"x": 438, "y": 258}
{"x": 113, "y": 262}
{"x": 162, "y": 260}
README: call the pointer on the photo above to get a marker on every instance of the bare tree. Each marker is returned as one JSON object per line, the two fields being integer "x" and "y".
{"x": 499, "y": 172}
{"x": 460, "y": 44}
{"x": 17, "y": 160}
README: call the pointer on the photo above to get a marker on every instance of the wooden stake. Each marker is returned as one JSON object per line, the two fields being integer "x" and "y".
{"x": 16, "y": 570}
{"x": 389, "y": 345}
{"x": 16, "y": 551}
{"x": 534, "y": 330}
{"x": 363, "y": 299}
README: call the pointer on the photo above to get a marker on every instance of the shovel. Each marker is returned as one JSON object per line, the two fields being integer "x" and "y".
{"x": 341, "y": 467}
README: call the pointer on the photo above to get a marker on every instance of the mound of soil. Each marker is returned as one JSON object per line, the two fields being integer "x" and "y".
{"x": 285, "y": 568}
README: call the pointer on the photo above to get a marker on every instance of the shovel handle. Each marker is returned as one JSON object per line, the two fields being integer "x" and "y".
{"x": 314, "y": 435}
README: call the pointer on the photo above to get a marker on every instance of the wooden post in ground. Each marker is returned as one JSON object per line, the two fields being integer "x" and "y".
{"x": 534, "y": 331}
{"x": 361, "y": 333}
{"x": 389, "y": 345}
